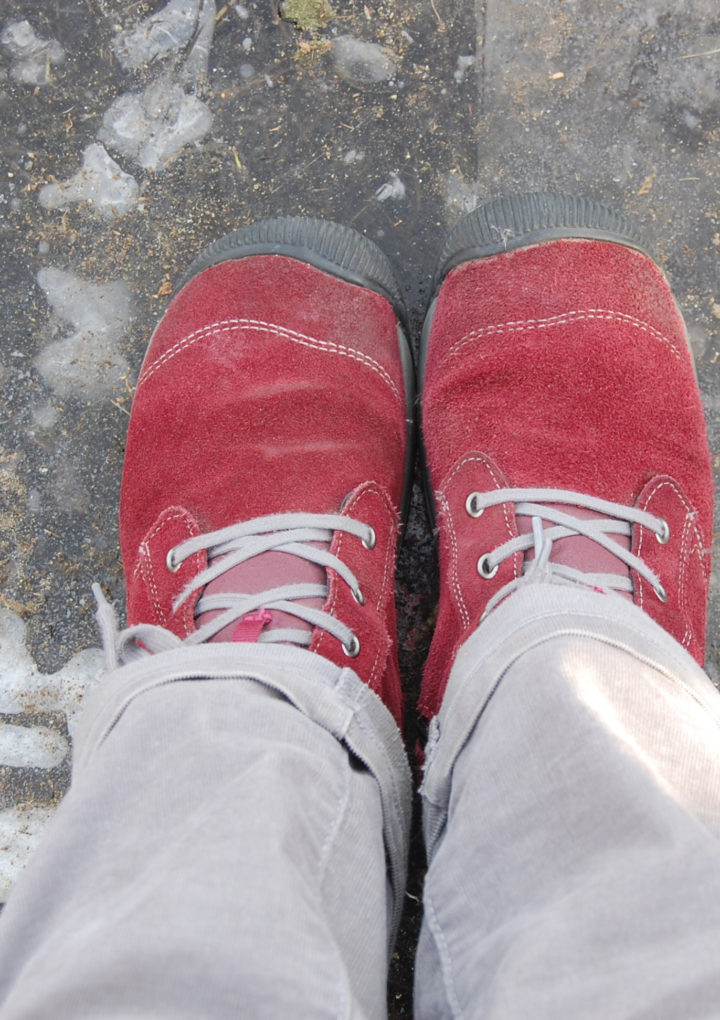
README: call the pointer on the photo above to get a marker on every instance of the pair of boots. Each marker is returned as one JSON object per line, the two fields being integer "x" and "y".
{"x": 269, "y": 456}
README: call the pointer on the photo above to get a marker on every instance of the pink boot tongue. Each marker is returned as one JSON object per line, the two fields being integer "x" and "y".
{"x": 580, "y": 552}
{"x": 263, "y": 572}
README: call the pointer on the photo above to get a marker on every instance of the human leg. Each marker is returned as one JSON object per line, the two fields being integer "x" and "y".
{"x": 572, "y": 782}
{"x": 571, "y": 817}
{"x": 235, "y": 835}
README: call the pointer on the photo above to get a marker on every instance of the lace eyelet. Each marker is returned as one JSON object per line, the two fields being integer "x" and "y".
{"x": 171, "y": 563}
{"x": 358, "y": 596}
{"x": 663, "y": 536}
{"x": 484, "y": 569}
{"x": 661, "y": 593}
{"x": 471, "y": 505}
{"x": 352, "y": 648}
{"x": 371, "y": 539}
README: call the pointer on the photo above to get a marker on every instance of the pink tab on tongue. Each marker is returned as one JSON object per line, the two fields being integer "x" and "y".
{"x": 251, "y": 625}
{"x": 268, "y": 570}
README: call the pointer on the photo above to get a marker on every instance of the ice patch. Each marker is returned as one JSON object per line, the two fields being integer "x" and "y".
{"x": 180, "y": 25}
{"x": 460, "y": 196}
{"x": 100, "y": 181}
{"x": 26, "y": 693}
{"x": 698, "y": 338}
{"x": 86, "y": 363}
{"x": 44, "y": 417}
{"x": 32, "y": 57}
{"x": 151, "y": 126}
{"x": 20, "y": 832}
{"x": 34, "y": 501}
{"x": 394, "y": 188}
{"x": 37, "y": 746}
{"x": 463, "y": 66}
{"x": 362, "y": 63}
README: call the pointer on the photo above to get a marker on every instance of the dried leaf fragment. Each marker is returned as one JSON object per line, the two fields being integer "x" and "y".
{"x": 647, "y": 183}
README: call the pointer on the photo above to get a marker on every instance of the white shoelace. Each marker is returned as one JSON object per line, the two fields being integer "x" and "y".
{"x": 227, "y": 548}
{"x": 616, "y": 520}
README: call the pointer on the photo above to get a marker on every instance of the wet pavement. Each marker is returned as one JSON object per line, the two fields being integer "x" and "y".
{"x": 129, "y": 144}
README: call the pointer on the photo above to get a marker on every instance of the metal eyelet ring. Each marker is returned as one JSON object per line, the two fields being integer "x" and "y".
{"x": 352, "y": 648}
{"x": 171, "y": 563}
{"x": 358, "y": 596}
{"x": 369, "y": 542}
{"x": 661, "y": 593}
{"x": 484, "y": 569}
{"x": 471, "y": 505}
{"x": 663, "y": 535}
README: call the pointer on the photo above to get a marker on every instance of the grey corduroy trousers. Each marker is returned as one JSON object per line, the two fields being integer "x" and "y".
{"x": 234, "y": 840}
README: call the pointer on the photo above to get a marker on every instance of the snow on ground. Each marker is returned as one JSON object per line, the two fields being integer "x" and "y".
{"x": 32, "y": 58}
{"x": 87, "y": 363}
{"x": 100, "y": 181}
{"x": 179, "y": 25}
{"x": 150, "y": 127}
{"x": 363, "y": 63}
{"x": 391, "y": 189}
{"x": 25, "y": 693}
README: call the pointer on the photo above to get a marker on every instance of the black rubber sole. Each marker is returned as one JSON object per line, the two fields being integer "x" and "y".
{"x": 341, "y": 252}
{"x": 335, "y": 248}
{"x": 519, "y": 221}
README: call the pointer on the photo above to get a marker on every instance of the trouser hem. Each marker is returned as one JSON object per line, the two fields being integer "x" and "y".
{"x": 532, "y": 616}
{"x": 332, "y": 697}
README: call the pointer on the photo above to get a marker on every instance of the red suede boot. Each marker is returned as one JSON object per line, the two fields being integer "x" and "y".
{"x": 268, "y": 455}
{"x": 563, "y": 427}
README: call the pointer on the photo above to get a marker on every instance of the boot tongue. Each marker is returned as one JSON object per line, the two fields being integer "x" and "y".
{"x": 580, "y": 552}
{"x": 261, "y": 573}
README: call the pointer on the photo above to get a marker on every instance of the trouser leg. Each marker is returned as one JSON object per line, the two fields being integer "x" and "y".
{"x": 229, "y": 847}
{"x": 572, "y": 816}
